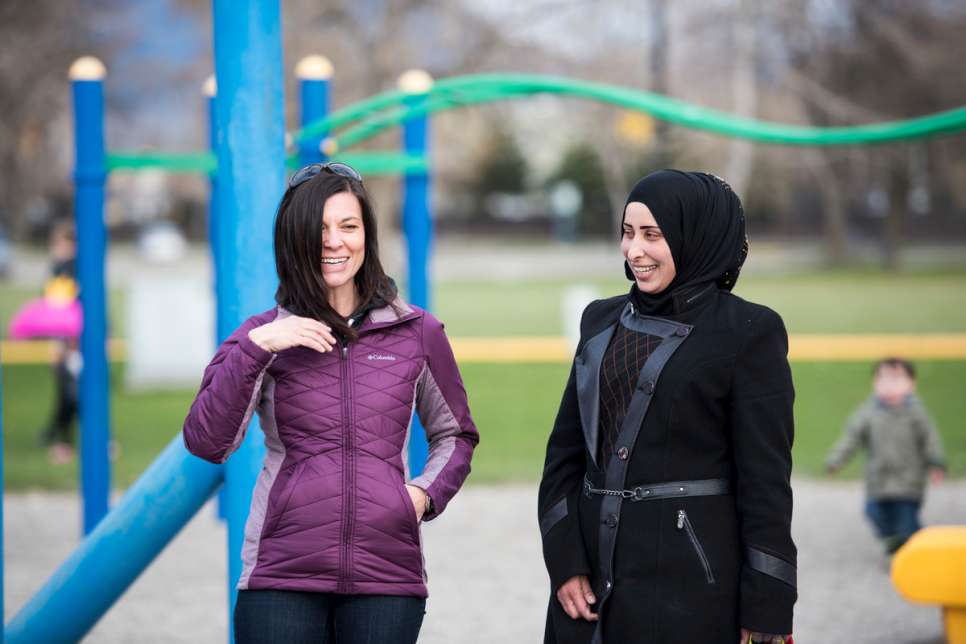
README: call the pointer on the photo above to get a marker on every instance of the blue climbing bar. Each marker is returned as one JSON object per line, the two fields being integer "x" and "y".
{"x": 111, "y": 557}
{"x": 87, "y": 80}
{"x": 314, "y": 74}
{"x": 250, "y": 150}
{"x": 417, "y": 225}
{"x": 222, "y": 330}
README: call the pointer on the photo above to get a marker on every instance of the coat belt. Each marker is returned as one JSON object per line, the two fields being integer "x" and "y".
{"x": 673, "y": 489}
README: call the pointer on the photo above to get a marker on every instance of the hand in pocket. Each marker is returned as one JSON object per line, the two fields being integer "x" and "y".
{"x": 418, "y": 496}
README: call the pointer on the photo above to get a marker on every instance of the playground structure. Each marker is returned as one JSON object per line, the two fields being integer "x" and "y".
{"x": 931, "y": 569}
{"x": 249, "y": 141}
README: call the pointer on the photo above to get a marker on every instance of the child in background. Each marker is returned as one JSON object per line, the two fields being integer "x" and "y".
{"x": 903, "y": 447}
{"x": 58, "y": 436}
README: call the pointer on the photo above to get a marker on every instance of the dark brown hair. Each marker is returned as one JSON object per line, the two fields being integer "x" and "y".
{"x": 298, "y": 252}
{"x": 901, "y": 363}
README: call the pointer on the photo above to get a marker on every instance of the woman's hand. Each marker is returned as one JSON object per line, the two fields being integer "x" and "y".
{"x": 293, "y": 331}
{"x": 764, "y": 638}
{"x": 418, "y": 496}
{"x": 576, "y": 597}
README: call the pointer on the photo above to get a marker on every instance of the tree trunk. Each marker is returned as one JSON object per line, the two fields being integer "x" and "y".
{"x": 659, "y": 74}
{"x": 834, "y": 208}
{"x": 744, "y": 95}
{"x": 898, "y": 188}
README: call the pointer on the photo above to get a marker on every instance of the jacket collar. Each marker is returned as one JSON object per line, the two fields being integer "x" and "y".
{"x": 396, "y": 312}
{"x": 685, "y": 301}
{"x": 691, "y": 297}
{"x": 393, "y": 313}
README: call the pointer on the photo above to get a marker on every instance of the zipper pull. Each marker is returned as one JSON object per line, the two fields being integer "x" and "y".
{"x": 681, "y": 517}
{"x": 345, "y": 352}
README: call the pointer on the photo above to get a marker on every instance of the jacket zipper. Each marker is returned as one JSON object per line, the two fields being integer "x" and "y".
{"x": 347, "y": 474}
{"x": 685, "y": 523}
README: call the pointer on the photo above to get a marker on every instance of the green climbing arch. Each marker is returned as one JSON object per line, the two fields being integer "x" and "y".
{"x": 358, "y": 122}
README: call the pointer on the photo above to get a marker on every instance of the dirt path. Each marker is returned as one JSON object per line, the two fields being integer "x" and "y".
{"x": 486, "y": 577}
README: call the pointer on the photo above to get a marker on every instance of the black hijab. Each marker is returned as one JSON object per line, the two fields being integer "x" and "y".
{"x": 703, "y": 222}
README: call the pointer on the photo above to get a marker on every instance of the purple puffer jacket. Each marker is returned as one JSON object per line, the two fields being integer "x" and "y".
{"x": 330, "y": 512}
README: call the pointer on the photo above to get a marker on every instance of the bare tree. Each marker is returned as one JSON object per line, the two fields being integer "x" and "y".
{"x": 39, "y": 42}
{"x": 882, "y": 64}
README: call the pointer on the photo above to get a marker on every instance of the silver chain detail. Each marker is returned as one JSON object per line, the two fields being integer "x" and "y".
{"x": 624, "y": 494}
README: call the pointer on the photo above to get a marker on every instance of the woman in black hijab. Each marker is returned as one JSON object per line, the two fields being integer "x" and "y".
{"x": 665, "y": 505}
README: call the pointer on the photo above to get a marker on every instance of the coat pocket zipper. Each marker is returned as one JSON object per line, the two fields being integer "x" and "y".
{"x": 684, "y": 523}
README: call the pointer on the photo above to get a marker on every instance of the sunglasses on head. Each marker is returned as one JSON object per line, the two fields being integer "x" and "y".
{"x": 331, "y": 167}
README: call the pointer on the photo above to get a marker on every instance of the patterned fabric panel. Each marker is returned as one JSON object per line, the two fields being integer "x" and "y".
{"x": 619, "y": 371}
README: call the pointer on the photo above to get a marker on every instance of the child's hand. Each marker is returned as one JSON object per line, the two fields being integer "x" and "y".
{"x": 937, "y": 474}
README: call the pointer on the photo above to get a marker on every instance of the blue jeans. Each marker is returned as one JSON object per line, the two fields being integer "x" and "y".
{"x": 292, "y": 617}
{"x": 894, "y": 519}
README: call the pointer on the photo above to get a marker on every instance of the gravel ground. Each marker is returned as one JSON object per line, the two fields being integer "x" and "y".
{"x": 486, "y": 577}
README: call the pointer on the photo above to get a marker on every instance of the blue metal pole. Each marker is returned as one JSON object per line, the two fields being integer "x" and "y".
{"x": 314, "y": 74}
{"x": 418, "y": 228}
{"x": 159, "y": 503}
{"x": 111, "y": 557}
{"x": 222, "y": 330}
{"x": 87, "y": 79}
{"x": 251, "y": 178}
{"x": 217, "y": 220}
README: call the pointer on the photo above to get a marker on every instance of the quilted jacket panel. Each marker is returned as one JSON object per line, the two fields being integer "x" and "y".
{"x": 330, "y": 512}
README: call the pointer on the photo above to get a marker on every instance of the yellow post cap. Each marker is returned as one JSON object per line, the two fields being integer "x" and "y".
{"x": 87, "y": 68}
{"x": 210, "y": 88}
{"x": 314, "y": 68}
{"x": 415, "y": 81}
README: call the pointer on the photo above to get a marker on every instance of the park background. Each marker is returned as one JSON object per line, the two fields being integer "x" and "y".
{"x": 844, "y": 240}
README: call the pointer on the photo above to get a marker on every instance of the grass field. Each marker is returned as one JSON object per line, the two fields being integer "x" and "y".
{"x": 514, "y": 405}
{"x": 834, "y": 302}
{"x": 827, "y": 302}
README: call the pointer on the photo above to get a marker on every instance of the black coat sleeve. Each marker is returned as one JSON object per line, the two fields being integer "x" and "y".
{"x": 563, "y": 547}
{"x": 762, "y": 433}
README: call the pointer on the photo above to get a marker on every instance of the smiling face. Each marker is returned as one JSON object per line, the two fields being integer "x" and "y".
{"x": 646, "y": 250}
{"x": 343, "y": 240}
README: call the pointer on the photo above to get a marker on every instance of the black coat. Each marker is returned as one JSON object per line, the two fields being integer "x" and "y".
{"x": 714, "y": 401}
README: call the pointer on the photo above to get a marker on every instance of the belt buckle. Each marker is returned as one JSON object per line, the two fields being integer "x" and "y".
{"x": 641, "y": 493}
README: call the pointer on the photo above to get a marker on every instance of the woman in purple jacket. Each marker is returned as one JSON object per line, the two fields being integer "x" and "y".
{"x": 335, "y": 372}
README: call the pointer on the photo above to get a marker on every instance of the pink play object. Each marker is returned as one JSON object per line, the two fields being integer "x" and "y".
{"x": 47, "y": 318}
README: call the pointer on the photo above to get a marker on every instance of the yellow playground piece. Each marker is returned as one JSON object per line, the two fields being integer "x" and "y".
{"x": 931, "y": 569}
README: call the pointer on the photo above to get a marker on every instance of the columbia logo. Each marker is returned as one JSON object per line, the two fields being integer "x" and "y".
{"x": 379, "y": 356}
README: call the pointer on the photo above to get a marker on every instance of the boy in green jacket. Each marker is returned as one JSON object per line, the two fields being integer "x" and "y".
{"x": 903, "y": 447}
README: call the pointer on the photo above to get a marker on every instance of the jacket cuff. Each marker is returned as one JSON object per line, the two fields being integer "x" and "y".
{"x": 253, "y": 351}
{"x": 563, "y": 545}
{"x": 767, "y": 602}
{"x": 428, "y": 514}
